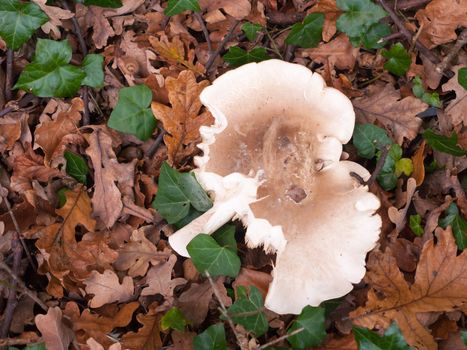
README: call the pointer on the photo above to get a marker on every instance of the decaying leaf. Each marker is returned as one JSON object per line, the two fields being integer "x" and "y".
{"x": 56, "y": 15}
{"x": 147, "y": 337}
{"x": 107, "y": 288}
{"x": 440, "y": 285}
{"x": 384, "y": 104}
{"x": 455, "y": 111}
{"x": 183, "y": 119}
{"x": 56, "y": 335}
{"x": 418, "y": 164}
{"x": 331, "y": 13}
{"x": 399, "y": 217}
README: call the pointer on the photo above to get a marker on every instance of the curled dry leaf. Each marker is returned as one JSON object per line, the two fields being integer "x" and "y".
{"x": 440, "y": 285}
{"x": 384, "y": 104}
{"x": 399, "y": 217}
{"x": 418, "y": 164}
{"x": 238, "y": 9}
{"x": 56, "y": 15}
{"x": 331, "y": 13}
{"x": 107, "y": 288}
{"x": 148, "y": 336}
{"x": 56, "y": 335}
{"x": 93, "y": 17}
{"x": 183, "y": 119}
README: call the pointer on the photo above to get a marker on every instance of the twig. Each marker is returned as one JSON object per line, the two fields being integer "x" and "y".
{"x": 391, "y": 37}
{"x": 273, "y": 44}
{"x": 21, "y": 104}
{"x": 379, "y": 165}
{"x": 220, "y": 47}
{"x": 6, "y": 110}
{"x": 204, "y": 29}
{"x": 278, "y": 340}
{"x": 9, "y": 75}
{"x": 408, "y": 4}
{"x": 155, "y": 145}
{"x": 284, "y": 19}
{"x": 224, "y": 311}
{"x": 289, "y": 52}
{"x": 18, "y": 341}
{"x": 446, "y": 62}
{"x": 408, "y": 35}
{"x": 23, "y": 287}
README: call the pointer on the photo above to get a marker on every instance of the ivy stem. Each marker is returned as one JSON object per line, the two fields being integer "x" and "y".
{"x": 204, "y": 29}
{"x": 9, "y": 75}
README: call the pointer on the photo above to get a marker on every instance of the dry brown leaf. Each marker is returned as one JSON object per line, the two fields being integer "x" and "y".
{"x": 194, "y": 302}
{"x": 107, "y": 288}
{"x": 248, "y": 277}
{"x": 334, "y": 343}
{"x": 455, "y": 111}
{"x": 440, "y": 285}
{"x": 418, "y": 164}
{"x": 50, "y": 134}
{"x": 331, "y": 12}
{"x": 56, "y": 335}
{"x": 337, "y": 53}
{"x": 440, "y": 19}
{"x": 384, "y": 104}
{"x": 147, "y": 337}
{"x": 238, "y": 9}
{"x": 10, "y": 132}
{"x": 399, "y": 217}
{"x": 93, "y": 17}
{"x": 183, "y": 119}
{"x": 136, "y": 255}
{"x": 56, "y": 15}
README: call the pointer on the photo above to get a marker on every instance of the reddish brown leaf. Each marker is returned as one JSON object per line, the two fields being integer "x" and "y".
{"x": 56, "y": 335}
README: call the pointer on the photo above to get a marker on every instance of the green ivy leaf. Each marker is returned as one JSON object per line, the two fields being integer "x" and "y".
{"x": 236, "y": 56}
{"x": 458, "y": 225}
{"x": 311, "y": 319}
{"x": 19, "y": 21}
{"x": 93, "y": 67}
{"x": 251, "y": 30}
{"x": 308, "y": 33}
{"x": 404, "y": 166}
{"x": 49, "y": 74}
{"x": 174, "y": 319}
{"x": 76, "y": 166}
{"x": 225, "y": 236}
{"x": 208, "y": 255}
{"x": 358, "y": 16}
{"x": 252, "y": 305}
{"x": 369, "y": 138}
{"x": 464, "y": 337}
{"x": 132, "y": 114}
{"x": 443, "y": 143}
{"x": 462, "y": 77}
{"x": 174, "y": 7}
{"x": 392, "y": 339}
{"x": 104, "y": 3}
{"x": 62, "y": 196}
{"x": 371, "y": 38}
{"x": 387, "y": 178}
{"x": 398, "y": 61}
{"x": 419, "y": 91}
{"x": 177, "y": 191}
{"x": 415, "y": 223}
{"x": 213, "y": 338}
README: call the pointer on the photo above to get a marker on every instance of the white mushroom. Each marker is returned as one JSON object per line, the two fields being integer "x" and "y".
{"x": 272, "y": 160}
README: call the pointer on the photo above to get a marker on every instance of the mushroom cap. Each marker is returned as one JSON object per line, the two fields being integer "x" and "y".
{"x": 272, "y": 159}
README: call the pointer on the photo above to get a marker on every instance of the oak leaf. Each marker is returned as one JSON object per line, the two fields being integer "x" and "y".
{"x": 384, "y": 104}
{"x": 455, "y": 111}
{"x": 56, "y": 335}
{"x": 56, "y": 15}
{"x": 238, "y": 9}
{"x": 183, "y": 119}
{"x": 440, "y": 19}
{"x": 331, "y": 12}
{"x": 107, "y": 288}
{"x": 148, "y": 336}
{"x": 440, "y": 285}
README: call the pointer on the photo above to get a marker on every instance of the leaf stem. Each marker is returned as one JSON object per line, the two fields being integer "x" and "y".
{"x": 9, "y": 75}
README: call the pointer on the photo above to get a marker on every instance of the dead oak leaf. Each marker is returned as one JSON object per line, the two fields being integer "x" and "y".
{"x": 56, "y": 335}
{"x": 56, "y": 15}
{"x": 440, "y": 285}
{"x": 331, "y": 13}
{"x": 238, "y": 9}
{"x": 148, "y": 336}
{"x": 440, "y": 19}
{"x": 455, "y": 111}
{"x": 107, "y": 288}
{"x": 183, "y": 119}
{"x": 384, "y": 103}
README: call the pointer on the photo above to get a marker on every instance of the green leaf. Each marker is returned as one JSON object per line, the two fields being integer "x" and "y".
{"x": 443, "y": 143}
{"x": 62, "y": 196}
{"x": 174, "y": 7}
{"x": 19, "y": 21}
{"x": 132, "y": 114}
{"x": 308, "y": 33}
{"x": 387, "y": 178}
{"x": 104, "y": 3}
{"x": 398, "y": 61}
{"x": 311, "y": 320}
{"x": 39, "y": 346}
{"x": 462, "y": 77}
{"x": 208, "y": 255}
{"x": 464, "y": 337}
{"x": 458, "y": 225}
{"x": 392, "y": 339}
{"x": 177, "y": 191}
{"x": 49, "y": 74}
{"x": 213, "y": 338}
{"x": 76, "y": 166}
{"x": 358, "y": 16}
{"x": 371, "y": 38}
{"x": 419, "y": 91}
{"x": 225, "y": 236}
{"x": 174, "y": 319}
{"x": 251, "y": 30}
{"x": 236, "y": 56}
{"x": 93, "y": 67}
{"x": 251, "y": 305}
{"x": 404, "y": 166}
{"x": 415, "y": 223}
{"x": 192, "y": 214}
{"x": 368, "y": 138}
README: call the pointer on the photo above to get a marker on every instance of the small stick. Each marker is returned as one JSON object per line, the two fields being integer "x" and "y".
{"x": 278, "y": 340}
{"x": 284, "y": 19}
{"x": 205, "y": 30}
{"x": 220, "y": 47}
{"x": 19, "y": 341}
{"x": 408, "y": 35}
{"x": 22, "y": 103}
{"x": 391, "y": 37}
{"x": 6, "y": 110}
{"x": 224, "y": 311}
{"x": 155, "y": 145}
{"x": 446, "y": 62}
{"x": 379, "y": 166}
{"x": 408, "y": 4}
{"x": 9, "y": 75}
